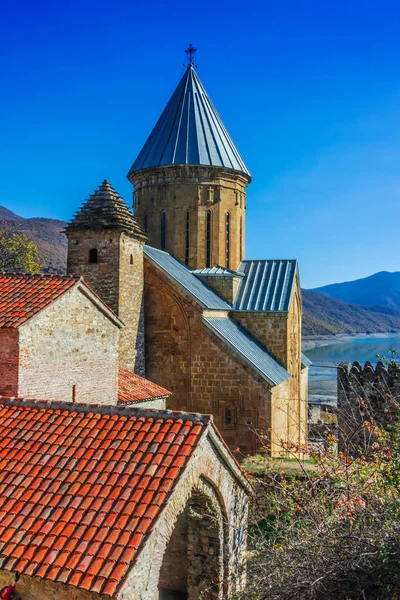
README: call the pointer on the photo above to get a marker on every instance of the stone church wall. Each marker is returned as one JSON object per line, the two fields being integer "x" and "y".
{"x": 69, "y": 343}
{"x": 204, "y": 376}
{"x": 281, "y": 334}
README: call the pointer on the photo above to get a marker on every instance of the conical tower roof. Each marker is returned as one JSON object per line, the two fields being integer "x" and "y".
{"x": 105, "y": 209}
{"x": 189, "y": 132}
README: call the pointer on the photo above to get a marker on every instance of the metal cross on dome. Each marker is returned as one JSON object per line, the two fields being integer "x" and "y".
{"x": 190, "y": 53}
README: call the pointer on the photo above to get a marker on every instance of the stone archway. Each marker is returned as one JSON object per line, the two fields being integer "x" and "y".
{"x": 193, "y": 562}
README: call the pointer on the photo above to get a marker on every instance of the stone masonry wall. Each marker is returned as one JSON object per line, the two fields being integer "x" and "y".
{"x": 117, "y": 278}
{"x": 103, "y": 276}
{"x": 281, "y": 334}
{"x": 131, "y": 305}
{"x": 208, "y": 475}
{"x": 269, "y": 329}
{"x": 225, "y": 287}
{"x": 9, "y": 361}
{"x": 378, "y": 387}
{"x": 31, "y": 588}
{"x": 69, "y": 343}
{"x": 204, "y": 376}
{"x": 183, "y": 189}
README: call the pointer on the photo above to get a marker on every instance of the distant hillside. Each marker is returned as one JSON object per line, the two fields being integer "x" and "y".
{"x": 379, "y": 290}
{"x": 324, "y": 315}
{"x": 45, "y": 233}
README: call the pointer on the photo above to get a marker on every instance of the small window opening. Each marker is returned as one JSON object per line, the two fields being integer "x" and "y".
{"x": 131, "y": 259}
{"x": 187, "y": 238}
{"x": 76, "y": 242}
{"x": 229, "y": 416}
{"x": 146, "y": 222}
{"x": 74, "y": 393}
{"x": 93, "y": 256}
{"x": 208, "y": 238}
{"x": 241, "y": 238}
{"x": 227, "y": 238}
{"x": 163, "y": 230}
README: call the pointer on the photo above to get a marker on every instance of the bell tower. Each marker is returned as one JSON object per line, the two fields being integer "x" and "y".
{"x": 105, "y": 246}
{"x": 190, "y": 181}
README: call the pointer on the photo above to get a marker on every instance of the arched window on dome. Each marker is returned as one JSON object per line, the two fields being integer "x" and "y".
{"x": 208, "y": 238}
{"x": 241, "y": 238}
{"x": 187, "y": 240}
{"x": 227, "y": 238}
{"x": 163, "y": 231}
{"x": 93, "y": 256}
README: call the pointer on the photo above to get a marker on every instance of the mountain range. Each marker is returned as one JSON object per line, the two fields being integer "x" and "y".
{"x": 369, "y": 305}
{"x": 381, "y": 290}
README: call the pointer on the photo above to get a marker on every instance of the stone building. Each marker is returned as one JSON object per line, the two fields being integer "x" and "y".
{"x": 221, "y": 332}
{"x": 103, "y": 492}
{"x": 112, "y": 502}
{"x": 59, "y": 341}
{"x": 57, "y": 338}
{"x": 105, "y": 246}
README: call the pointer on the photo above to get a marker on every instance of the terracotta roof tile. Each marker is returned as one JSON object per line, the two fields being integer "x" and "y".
{"x": 22, "y": 296}
{"x": 83, "y": 522}
{"x": 132, "y": 388}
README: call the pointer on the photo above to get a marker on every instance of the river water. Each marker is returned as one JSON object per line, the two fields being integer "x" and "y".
{"x": 325, "y": 359}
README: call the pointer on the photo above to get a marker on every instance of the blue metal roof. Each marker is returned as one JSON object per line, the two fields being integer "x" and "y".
{"x": 247, "y": 348}
{"x": 305, "y": 361}
{"x": 266, "y": 286}
{"x": 216, "y": 271}
{"x": 189, "y": 132}
{"x": 184, "y": 277}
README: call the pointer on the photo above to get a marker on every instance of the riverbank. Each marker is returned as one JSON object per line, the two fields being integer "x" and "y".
{"x": 318, "y": 341}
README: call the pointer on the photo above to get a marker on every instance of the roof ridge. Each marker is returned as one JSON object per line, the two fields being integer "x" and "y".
{"x": 248, "y": 260}
{"x": 111, "y": 409}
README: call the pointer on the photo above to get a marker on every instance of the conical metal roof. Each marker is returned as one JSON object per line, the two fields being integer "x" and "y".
{"x": 105, "y": 209}
{"x": 189, "y": 132}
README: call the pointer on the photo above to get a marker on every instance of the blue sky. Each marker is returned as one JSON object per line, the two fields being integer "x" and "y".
{"x": 309, "y": 91}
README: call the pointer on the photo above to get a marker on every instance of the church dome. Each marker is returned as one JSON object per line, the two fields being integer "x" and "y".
{"x": 189, "y": 132}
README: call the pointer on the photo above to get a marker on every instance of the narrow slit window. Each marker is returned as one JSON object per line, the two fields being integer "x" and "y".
{"x": 131, "y": 259}
{"x": 93, "y": 256}
{"x": 163, "y": 230}
{"x": 146, "y": 222}
{"x": 241, "y": 238}
{"x": 229, "y": 416}
{"x": 187, "y": 238}
{"x": 208, "y": 239}
{"x": 74, "y": 393}
{"x": 227, "y": 238}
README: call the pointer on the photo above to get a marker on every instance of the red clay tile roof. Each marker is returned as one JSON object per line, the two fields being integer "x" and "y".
{"x": 82, "y": 487}
{"x": 133, "y": 388}
{"x": 22, "y": 296}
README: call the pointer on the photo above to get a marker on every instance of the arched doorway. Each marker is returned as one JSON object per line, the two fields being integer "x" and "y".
{"x": 193, "y": 562}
